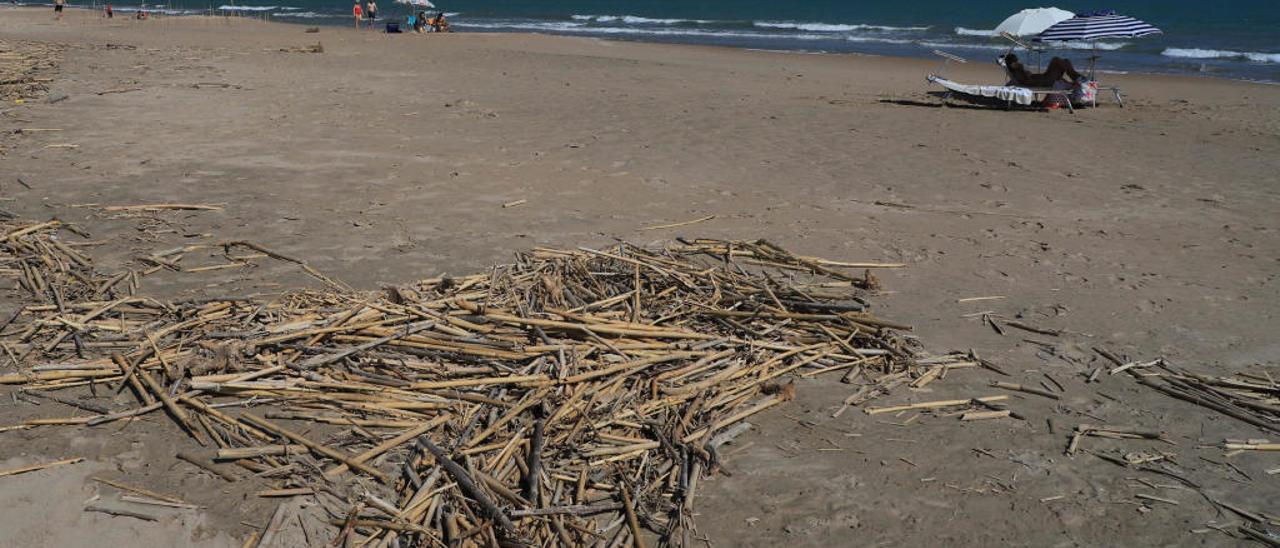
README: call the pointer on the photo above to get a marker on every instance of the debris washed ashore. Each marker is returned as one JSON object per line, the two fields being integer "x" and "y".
{"x": 572, "y": 396}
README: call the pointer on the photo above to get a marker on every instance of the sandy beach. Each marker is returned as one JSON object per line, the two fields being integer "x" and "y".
{"x": 1151, "y": 230}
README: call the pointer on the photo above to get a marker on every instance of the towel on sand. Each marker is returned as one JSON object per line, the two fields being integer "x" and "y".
{"x": 1022, "y": 96}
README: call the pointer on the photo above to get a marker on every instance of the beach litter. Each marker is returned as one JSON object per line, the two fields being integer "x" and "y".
{"x": 26, "y": 69}
{"x": 1246, "y": 397}
{"x": 37, "y": 467}
{"x": 572, "y": 396}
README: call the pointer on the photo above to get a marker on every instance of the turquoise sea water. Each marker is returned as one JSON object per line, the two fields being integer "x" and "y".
{"x": 1232, "y": 38}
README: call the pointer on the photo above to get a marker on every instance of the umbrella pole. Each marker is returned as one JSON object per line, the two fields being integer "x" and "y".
{"x": 1093, "y": 61}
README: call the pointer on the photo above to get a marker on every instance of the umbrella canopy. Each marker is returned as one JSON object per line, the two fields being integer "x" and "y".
{"x": 418, "y": 3}
{"x": 1096, "y": 25}
{"x": 1033, "y": 21}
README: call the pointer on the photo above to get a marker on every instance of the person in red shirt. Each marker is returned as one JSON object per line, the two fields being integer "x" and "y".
{"x": 358, "y": 13}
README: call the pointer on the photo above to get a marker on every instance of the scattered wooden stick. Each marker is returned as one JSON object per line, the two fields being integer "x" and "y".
{"x": 984, "y": 415}
{"x": 207, "y": 467}
{"x": 1026, "y": 389}
{"x": 1251, "y": 446}
{"x": 1033, "y": 329}
{"x": 976, "y": 299}
{"x": 317, "y": 448}
{"x": 153, "y": 502}
{"x": 164, "y": 207}
{"x": 35, "y": 467}
{"x": 680, "y": 224}
{"x": 133, "y": 489}
{"x": 120, "y": 512}
{"x": 930, "y": 405}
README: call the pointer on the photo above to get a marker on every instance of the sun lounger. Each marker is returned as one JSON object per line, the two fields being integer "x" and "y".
{"x": 1009, "y": 94}
{"x": 1038, "y": 50}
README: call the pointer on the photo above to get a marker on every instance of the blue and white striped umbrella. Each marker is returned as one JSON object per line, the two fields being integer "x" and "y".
{"x": 1095, "y": 26}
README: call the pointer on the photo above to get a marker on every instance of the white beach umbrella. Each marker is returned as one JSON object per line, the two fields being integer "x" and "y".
{"x": 1033, "y": 21}
{"x": 417, "y": 3}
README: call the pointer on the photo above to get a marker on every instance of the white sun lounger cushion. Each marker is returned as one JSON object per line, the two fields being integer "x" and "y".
{"x": 1022, "y": 96}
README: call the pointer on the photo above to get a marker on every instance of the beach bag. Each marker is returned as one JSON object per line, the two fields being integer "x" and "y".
{"x": 1085, "y": 92}
{"x": 1054, "y": 101}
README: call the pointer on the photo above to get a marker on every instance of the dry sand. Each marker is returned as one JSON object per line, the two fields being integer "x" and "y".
{"x": 1151, "y": 230}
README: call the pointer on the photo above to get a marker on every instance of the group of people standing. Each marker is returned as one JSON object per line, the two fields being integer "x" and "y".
{"x": 369, "y": 11}
{"x": 420, "y": 22}
{"x": 108, "y": 10}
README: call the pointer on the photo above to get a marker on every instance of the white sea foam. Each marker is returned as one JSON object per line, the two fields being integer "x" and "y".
{"x": 962, "y": 45}
{"x": 247, "y": 8}
{"x": 310, "y": 15}
{"x": 1197, "y": 53}
{"x": 975, "y": 32}
{"x": 154, "y": 11}
{"x": 874, "y": 40}
{"x": 830, "y": 27}
{"x": 569, "y": 27}
{"x": 636, "y": 20}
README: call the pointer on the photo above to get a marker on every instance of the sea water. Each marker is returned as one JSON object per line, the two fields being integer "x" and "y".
{"x": 1232, "y": 38}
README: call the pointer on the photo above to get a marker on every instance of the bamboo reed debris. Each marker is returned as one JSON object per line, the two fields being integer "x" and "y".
{"x": 510, "y": 405}
{"x": 36, "y": 467}
{"x": 120, "y": 512}
{"x": 931, "y": 405}
{"x": 139, "y": 490}
{"x": 1026, "y": 389}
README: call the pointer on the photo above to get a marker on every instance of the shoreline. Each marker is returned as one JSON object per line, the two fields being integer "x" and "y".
{"x": 327, "y": 22}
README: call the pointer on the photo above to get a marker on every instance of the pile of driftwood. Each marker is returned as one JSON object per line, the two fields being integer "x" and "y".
{"x": 1247, "y": 397}
{"x": 48, "y": 267}
{"x": 26, "y": 68}
{"x": 572, "y": 397}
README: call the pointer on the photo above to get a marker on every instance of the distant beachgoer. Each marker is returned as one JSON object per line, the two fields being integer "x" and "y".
{"x": 372, "y": 10}
{"x": 57, "y": 8}
{"x": 111, "y": 14}
{"x": 358, "y": 13}
{"x": 420, "y": 22}
{"x": 439, "y": 24}
{"x": 1054, "y": 73}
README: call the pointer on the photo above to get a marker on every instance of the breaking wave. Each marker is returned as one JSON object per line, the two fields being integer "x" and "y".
{"x": 1197, "y": 53}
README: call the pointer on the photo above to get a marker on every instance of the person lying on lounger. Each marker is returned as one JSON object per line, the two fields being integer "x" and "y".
{"x": 1059, "y": 69}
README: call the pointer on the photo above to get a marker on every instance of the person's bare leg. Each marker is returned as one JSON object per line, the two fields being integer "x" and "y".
{"x": 1058, "y": 67}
